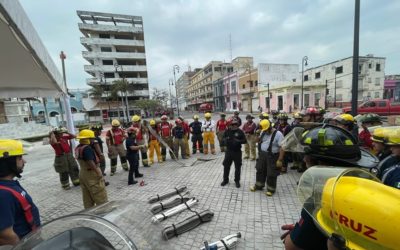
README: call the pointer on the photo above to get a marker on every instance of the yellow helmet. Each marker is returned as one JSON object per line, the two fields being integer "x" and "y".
{"x": 353, "y": 204}
{"x": 345, "y": 119}
{"x": 265, "y": 124}
{"x": 196, "y": 117}
{"x": 207, "y": 115}
{"x": 10, "y": 148}
{"x": 297, "y": 115}
{"x": 115, "y": 123}
{"x": 152, "y": 122}
{"x": 382, "y": 134}
{"x": 393, "y": 138}
{"x": 136, "y": 118}
{"x": 85, "y": 134}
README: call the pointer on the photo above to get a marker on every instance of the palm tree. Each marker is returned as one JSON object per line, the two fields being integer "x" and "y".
{"x": 120, "y": 87}
{"x": 96, "y": 91}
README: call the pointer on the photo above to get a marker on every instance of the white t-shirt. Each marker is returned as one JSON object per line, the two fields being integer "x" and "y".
{"x": 266, "y": 138}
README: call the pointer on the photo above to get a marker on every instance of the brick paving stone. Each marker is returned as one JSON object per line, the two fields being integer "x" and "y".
{"x": 255, "y": 215}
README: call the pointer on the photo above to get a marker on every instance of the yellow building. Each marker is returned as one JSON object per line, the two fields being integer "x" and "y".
{"x": 248, "y": 90}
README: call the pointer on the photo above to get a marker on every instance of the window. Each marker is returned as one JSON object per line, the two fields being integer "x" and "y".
{"x": 306, "y": 78}
{"x": 243, "y": 86}
{"x": 380, "y": 104}
{"x": 255, "y": 83}
{"x": 251, "y": 84}
{"x": 317, "y": 98}
{"x": 317, "y": 75}
{"x": 339, "y": 70}
{"x": 267, "y": 102}
{"x": 359, "y": 68}
{"x": 306, "y": 100}
{"x": 109, "y": 75}
{"x": 104, "y": 36}
{"x": 378, "y": 67}
{"x": 234, "y": 105}
{"x": 107, "y": 62}
{"x": 370, "y": 65}
{"x": 296, "y": 101}
{"x": 377, "y": 81}
{"x": 105, "y": 49}
{"x": 233, "y": 87}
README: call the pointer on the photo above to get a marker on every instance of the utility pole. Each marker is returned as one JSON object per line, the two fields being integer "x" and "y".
{"x": 354, "y": 92}
{"x": 176, "y": 68}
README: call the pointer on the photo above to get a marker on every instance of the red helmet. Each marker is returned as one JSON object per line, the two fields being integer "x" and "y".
{"x": 178, "y": 121}
{"x": 164, "y": 117}
{"x": 312, "y": 110}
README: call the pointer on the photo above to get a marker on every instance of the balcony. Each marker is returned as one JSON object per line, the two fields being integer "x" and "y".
{"x": 112, "y": 55}
{"x": 111, "y": 68}
{"x": 114, "y": 42}
{"x": 86, "y": 27}
{"x": 106, "y": 94}
{"x": 91, "y": 81}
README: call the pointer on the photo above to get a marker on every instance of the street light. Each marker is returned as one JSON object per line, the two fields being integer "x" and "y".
{"x": 334, "y": 93}
{"x": 102, "y": 76}
{"x": 176, "y": 69}
{"x": 171, "y": 83}
{"x": 303, "y": 63}
{"x": 120, "y": 72}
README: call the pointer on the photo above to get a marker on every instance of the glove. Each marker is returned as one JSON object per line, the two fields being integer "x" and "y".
{"x": 279, "y": 164}
{"x": 289, "y": 228}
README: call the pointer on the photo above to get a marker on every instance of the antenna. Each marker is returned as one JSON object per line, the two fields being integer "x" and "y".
{"x": 230, "y": 46}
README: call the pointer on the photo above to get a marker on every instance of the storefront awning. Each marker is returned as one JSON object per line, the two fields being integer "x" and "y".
{"x": 26, "y": 68}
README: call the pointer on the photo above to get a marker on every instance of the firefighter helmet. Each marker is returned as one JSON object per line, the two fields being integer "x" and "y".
{"x": 264, "y": 115}
{"x": 236, "y": 113}
{"x": 297, "y": 115}
{"x": 265, "y": 125}
{"x": 86, "y": 134}
{"x": 275, "y": 112}
{"x": 370, "y": 118}
{"x": 178, "y": 121}
{"x": 222, "y": 114}
{"x": 332, "y": 143}
{"x": 10, "y": 148}
{"x": 340, "y": 202}
{"x": 283, "y": 116}
{"x": 115, "y": 123}
{"x": 196, "y": 117}
{"x": 249, "y": 117}
{"x": 393, "y": 138}
{"x": 207, "y": 115}
{"x": 152, "y": 122}
{"x": 97, "y": 127}
{"x": 345, "y": 119}
{"x": 164, "y": 117}
{"x": 136, "y": 118}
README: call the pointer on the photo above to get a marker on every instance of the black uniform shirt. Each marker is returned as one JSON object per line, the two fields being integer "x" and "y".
{"x": 233, "y": 139}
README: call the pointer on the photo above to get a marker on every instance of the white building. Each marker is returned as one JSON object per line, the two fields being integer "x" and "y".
{"x": 337, "y": 76}
{"x": 115, "y": 51}
{"x": 181, "y": 88}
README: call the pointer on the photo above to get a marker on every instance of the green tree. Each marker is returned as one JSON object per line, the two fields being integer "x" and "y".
{"x": 96, "y": 91}
{"x": 149, "y": 105}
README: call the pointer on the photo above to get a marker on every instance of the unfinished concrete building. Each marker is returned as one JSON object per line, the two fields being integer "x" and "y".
{"x": 116, "y": 51}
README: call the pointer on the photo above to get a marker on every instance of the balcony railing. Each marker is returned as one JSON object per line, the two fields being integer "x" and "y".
{"x": 112, "y": 55}
{"x": 111, "y": 68}
{"x": 111, "y": 41}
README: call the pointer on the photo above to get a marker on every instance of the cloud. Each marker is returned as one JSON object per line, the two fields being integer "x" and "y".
{"x": 194, "y": 32}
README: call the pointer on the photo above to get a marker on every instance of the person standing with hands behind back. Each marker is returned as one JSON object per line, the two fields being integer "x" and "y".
{"x": 233, "y": 139}
{"x": 132, "y": 154}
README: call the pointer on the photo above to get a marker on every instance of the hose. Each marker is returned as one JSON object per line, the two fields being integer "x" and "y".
{"x": 187, "y": 224}
{"x": 175, "y": 210}
{"x": 159, "y": 197}
{"x": 227, "y": 243}
{"x": 171, "y": 202}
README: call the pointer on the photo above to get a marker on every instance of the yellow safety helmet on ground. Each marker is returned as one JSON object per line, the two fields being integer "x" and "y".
{"x": 152, "y": 122}
{"x": 265, "y": 125}
{"x": 195, "y": 117}
{"x": 353, "y": 204}
{"x": 10, "y": 148}
{"x": 86, "y": 134}
{"x": 344, "y": 119}
{"x": 115, "y": 123}
{"x": 135, "y": 118}
{"x": 207, "y": 115}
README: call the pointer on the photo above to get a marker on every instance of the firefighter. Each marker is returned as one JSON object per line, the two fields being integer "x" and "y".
{"x": 297, "y": 119}
{"x": 367, "y": 121}
{"x": 236, "y": 116}
{"x": 298, "y": 162}
{"x": 208, "y": 133}
{"x": 166, "y": 136}
{"x": 132, "y": 155}
{"x": 140, "y": 139}
{"x": 185, "y": 126}
{"x": 178, "y": 133}
{"x": 233, "y": 139}
{"x": 379, "y": 137}
{"x": 18, "y": 214}
{"x": 284, "y": 128}
{"x": 274, "y": 121}
{"x": 220, "y": 128}
{"x": 64, "y": 161}
{"x": 197, "y": 138}
{"x": 347, "y": 122}
{"x": 268, "y": 157}
{"x": 324, "y": 145}
{"x": 249, "y": 129}
{"x": 92, "y": 181}
{"x": 98, "y": 146}
{"x": 263, "y": 116}
{"x": 392, "y": 142}
{"x": 154, "y": 145}
{"x": 115, "y": 138}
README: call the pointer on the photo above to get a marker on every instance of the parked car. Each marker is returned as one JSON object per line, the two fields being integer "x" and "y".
{"x": 380, "y": 107}
{"x": 206, "y": 107}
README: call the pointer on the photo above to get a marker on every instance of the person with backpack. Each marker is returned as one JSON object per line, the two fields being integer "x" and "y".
{"x": 15, "y": 221}
{"x": 91, "y": 178}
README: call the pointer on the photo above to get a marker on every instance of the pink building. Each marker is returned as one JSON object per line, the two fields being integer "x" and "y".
{"x": 231, "y": 92}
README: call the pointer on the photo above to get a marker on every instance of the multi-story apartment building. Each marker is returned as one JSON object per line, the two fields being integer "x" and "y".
{"x": 337, "y": 76}
{"x": 248, "y": 90}
{"x": 200, "y": 89}
{"x": 219, "y": 98}
{"x": 231, "y": 92}
{"x": 181, "y": 88}
{"x": 115, "y": 51}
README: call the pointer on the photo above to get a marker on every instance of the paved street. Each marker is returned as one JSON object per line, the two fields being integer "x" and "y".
{"x": 255, "y": 215}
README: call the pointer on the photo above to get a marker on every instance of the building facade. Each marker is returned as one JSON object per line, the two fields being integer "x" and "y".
{"x": 115, "y": 51}
{"x": 231, "y": 92}
{"x": 248, "y": 90}
{"x": 391, "y": 89}
{"x": 219, "y": 98}
{"x": 200, "y": 89}
{"x": 337, "y": 76}
{"x": 181, "y": 89}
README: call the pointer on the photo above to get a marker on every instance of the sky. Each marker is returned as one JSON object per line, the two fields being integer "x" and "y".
{"x": 195, "y": 32}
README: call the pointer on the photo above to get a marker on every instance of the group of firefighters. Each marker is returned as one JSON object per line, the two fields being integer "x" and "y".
{"x": 312, "y": 138}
